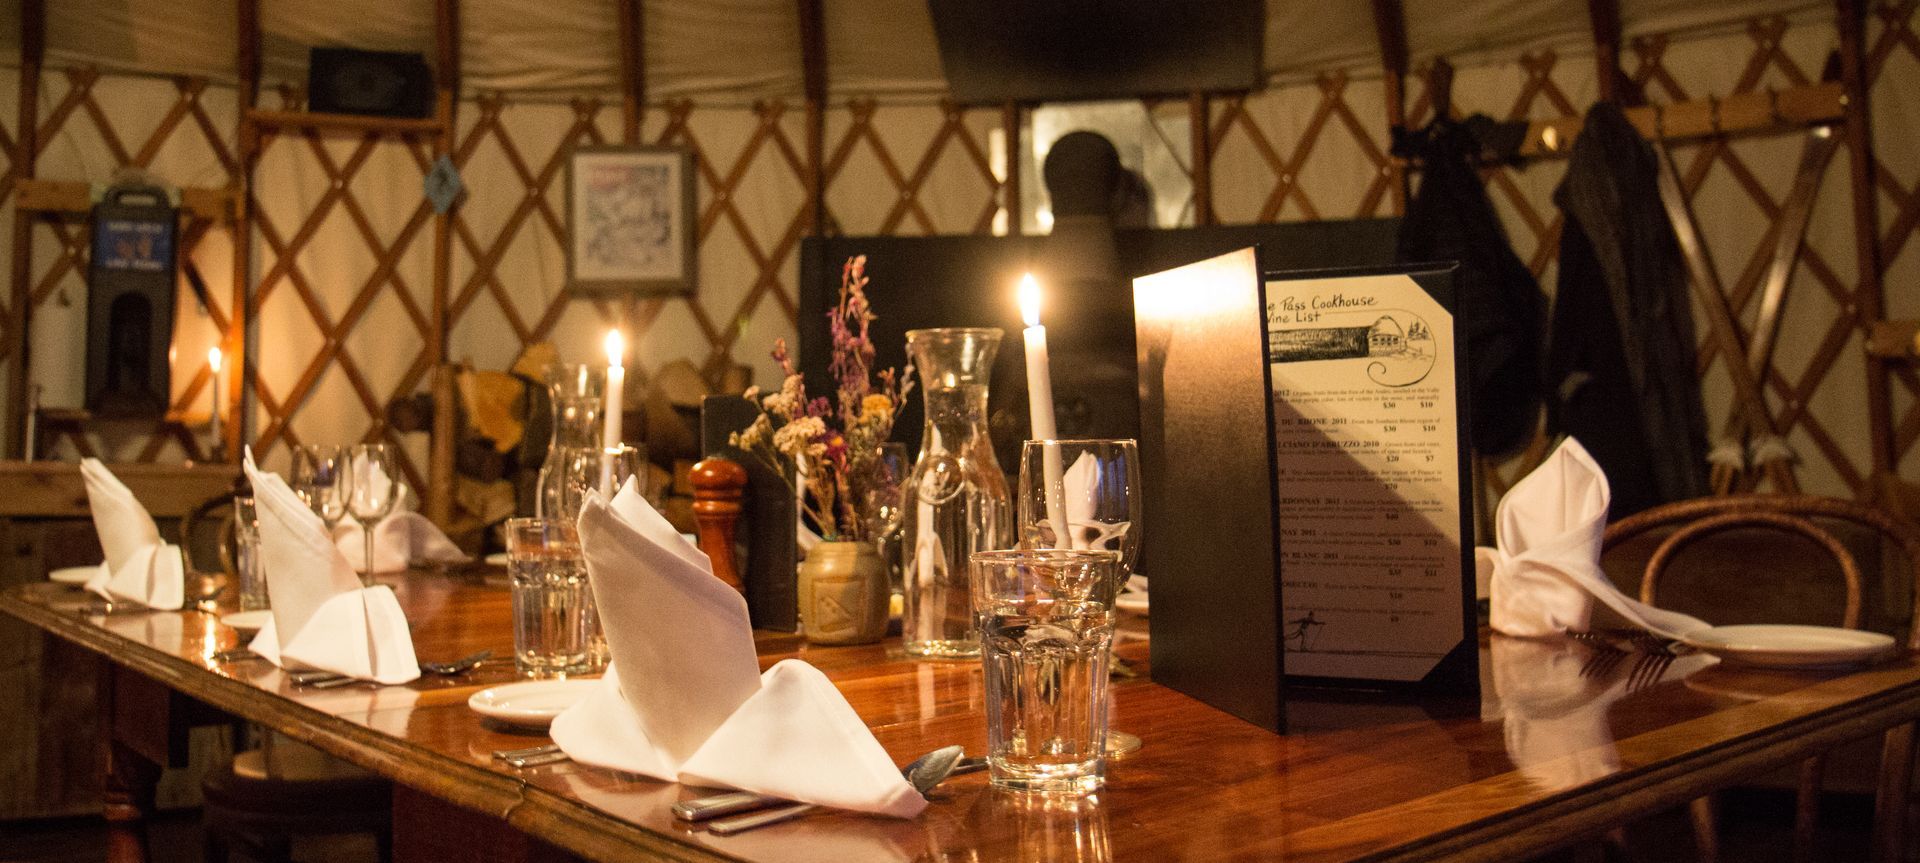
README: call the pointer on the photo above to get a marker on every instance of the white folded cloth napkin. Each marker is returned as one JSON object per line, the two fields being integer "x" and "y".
{"x": 322, "y": 619}
{"x": 683, "y": 699}
{"x": 139, "y": 566}
{"x": 1545, "y": 574}
{"x": 398, "y": 540}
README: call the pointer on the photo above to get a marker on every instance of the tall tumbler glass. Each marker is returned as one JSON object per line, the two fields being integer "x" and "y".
{"x": 550, "y": 596}
{"x": 1046, "y": 629}
{"x": 956, "y": 502}
{"x": 246, "y": 546}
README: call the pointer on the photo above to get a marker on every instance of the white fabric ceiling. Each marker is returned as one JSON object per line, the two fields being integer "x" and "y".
{"x": 748, "y": 49}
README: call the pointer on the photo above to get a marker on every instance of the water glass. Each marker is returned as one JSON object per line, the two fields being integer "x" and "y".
{"x": 1045, "y": 618}
{"x": 550, "y": 597}
{"x": 374, "y": 490}
{"x": 246, "y": 563}
{"x": 322, "y": 480}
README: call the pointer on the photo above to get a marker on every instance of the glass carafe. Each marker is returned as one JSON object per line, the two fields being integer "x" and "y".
{"x": 956, "y": 497}
{"x": 577, "y": 393}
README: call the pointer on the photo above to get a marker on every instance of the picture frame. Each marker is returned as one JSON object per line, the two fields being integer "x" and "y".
{"x": 630, "y": 221}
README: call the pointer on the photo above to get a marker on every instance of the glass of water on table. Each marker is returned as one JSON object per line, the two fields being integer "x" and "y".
{"x": 1046, "y": 633}
{"x": 550, "y": 597}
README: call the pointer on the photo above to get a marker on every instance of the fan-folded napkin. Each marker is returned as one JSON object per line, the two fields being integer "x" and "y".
{"x": 139, "y": 567}
{"x": 322, "y": 618}
{"x": 683, "y": 699}
{"x": 1545, "y": 574}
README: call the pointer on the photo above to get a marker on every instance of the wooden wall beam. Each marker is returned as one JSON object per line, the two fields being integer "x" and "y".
{"x": 74, "y": 198}
{"x": 1739, "y": 114}
{"x": 1010, "y": 198}
{"x": 1603, "y": 16}
{"x": 439, "y": 496}
{"x": 1390, "y": 29}
{"x": 813, "y": 78}
{"x": 1867, "y": 306}
{"x": 1200, "y": 133}
{"x": 238, "y": 368}
{"x": 633, "y": 69}
{"x": 33, "y": 45}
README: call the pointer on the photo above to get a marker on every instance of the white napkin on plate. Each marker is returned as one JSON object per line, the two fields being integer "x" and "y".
{"x": 1545, "y": 575}
{"x": 139, "y": 566}
{"x": 683, "y": 699}
{"x": 322, "y": 618}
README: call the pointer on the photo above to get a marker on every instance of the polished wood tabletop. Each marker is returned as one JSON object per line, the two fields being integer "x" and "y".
{"x": 1556, "y": 748}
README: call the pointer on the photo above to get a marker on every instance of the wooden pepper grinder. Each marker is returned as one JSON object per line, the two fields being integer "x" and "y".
{"x": 717, "y": 486}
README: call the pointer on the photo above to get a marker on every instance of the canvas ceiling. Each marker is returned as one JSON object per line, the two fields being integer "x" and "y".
{"x": 749, "y": 49}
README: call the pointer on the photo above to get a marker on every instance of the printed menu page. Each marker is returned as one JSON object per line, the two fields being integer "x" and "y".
{"x": 1367, "y": 448}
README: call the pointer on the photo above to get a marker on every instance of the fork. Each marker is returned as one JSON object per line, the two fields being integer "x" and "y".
{"x": 458, "y": 666}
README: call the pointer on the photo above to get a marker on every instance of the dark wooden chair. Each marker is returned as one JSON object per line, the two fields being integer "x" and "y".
{"x": 1830, "y": 527}
{"x": 265, "y": 798}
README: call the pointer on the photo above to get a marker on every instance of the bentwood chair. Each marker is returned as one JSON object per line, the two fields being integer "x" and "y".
{"x": 265, "y": 798}
{"x": 1828, "y": 527}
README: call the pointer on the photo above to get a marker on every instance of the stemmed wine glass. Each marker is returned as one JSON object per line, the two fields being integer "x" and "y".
{"x": 881, "y": 502}
{"x": 1084, "y": 494}
{"x": 321, "y": 479}
{"x": 374, "y": 492}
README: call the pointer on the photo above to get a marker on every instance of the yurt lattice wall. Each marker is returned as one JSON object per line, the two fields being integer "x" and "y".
{"x": 347, "y": 301}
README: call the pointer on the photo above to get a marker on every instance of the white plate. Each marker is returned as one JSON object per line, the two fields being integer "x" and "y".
{"x": 1134, "y": 602}
{"x": 74, "y": 575}
{"x": 498, "y": 558}
{"x": 1786, "y": 646}
{"x": 532, "y": 704}
{"x": 247, "y": 621}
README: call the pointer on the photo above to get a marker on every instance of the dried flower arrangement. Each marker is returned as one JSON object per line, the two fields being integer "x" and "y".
{"x": 834, "y": 443}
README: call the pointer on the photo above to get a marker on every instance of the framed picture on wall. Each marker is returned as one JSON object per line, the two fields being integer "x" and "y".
{"x": 630, "y": 221}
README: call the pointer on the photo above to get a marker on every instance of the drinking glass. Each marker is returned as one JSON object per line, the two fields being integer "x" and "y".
{"x": 373, "y": 494}
{"x": 580, "y": 469}
{"x": 321, "y": 479}
{"x": 246, "y": 564}
{"x": 1083, "y": 494}
{"x": 550, "y": 597}
{"x": 1045, "y": 618}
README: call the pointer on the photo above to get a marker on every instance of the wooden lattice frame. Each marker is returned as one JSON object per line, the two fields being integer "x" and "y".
{"x": 1897, "y": 35}
{"x": 1232, "y": 115}
{"x": 385, "y": 278}
{"x": 186, "y": 112}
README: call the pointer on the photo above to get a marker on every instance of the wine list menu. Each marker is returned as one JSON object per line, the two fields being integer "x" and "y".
{"x": 1368, "y": 456}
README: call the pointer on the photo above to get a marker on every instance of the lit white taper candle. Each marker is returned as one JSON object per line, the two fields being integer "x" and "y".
{"x": 1040, "y": 407}
{"x": 213, "y": 364}
{"x": 610, "y": 419}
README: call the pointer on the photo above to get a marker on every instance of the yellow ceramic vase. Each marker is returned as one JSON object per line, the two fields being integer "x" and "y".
{"x": 843, "y": 594}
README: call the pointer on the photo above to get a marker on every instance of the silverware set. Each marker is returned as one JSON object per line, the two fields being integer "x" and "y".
{"x": 331, "y": 680}
{"x": 733, "y": 812}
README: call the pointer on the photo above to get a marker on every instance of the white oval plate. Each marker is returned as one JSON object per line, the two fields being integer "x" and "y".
{"x": 247, "y": 621}
{"x": 532, "y": 703}
{"x": 74, "y": 575}
{"x": 498, "y": 558}
{"x": 1134, "y": 602}
{"x": 1790, "y": 646}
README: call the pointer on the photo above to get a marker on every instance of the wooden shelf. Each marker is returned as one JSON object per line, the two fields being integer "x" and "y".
{"x": 76, "y": 198}
{"x": 1739, "y": 114}
{"x": 345, "y": 122}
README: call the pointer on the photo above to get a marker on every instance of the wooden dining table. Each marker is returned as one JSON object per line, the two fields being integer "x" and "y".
{"x": 1561, "y": 746}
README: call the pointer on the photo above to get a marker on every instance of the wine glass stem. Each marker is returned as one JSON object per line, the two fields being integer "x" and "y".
{"x": 366, "y": 576}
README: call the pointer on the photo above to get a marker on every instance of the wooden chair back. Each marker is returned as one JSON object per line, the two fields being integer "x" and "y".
{"x": 207, "y": 535}
{"x": 1791, "y": 513}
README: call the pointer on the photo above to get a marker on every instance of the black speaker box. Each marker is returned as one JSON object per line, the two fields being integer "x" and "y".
{"x": 376, "y": 83}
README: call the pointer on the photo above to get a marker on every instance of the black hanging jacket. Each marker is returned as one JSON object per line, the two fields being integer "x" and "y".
{"x": 1501, "y": 314}
{"x": 1620, "y": 358}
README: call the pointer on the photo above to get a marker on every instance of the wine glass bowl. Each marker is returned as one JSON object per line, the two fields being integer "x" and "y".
{"x": 322, "y": 480}
{"x": 375, "y": 489}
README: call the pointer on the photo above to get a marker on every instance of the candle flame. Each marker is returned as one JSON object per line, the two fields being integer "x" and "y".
{"x": 616, "y": 348}
{"x": 213, "y": 359}
{"x": 1030, "y": 300}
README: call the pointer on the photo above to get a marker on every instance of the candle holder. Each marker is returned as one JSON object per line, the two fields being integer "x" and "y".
{"x": 956, "y": 498}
